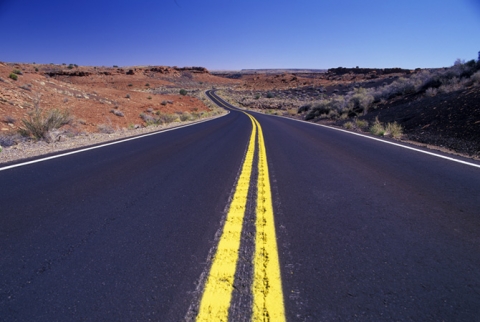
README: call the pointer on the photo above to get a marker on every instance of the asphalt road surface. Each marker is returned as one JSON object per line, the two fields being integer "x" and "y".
{"x": 363, "y": 230}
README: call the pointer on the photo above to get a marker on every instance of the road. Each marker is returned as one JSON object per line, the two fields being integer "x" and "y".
{"x": 363, "y": 230}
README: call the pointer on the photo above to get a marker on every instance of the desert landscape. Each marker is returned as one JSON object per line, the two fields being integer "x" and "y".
{"x": 438, "y": 108}
{"x": 434, "y": 107}
{"x": 240, "y": 160}
{"x": 95, "y": 104}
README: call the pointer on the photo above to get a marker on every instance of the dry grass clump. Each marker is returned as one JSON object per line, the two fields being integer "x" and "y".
{"x": 476, "y": 77}
{"x": 377, "y": 128}
{"x": 349, "y": 125}
{"x": 105, "y": 128}
{"x": 361, "y": 123}
{"x": 393, "y": 130}
{"x": 167, "y": 118}
{"x": 39, "y": 123}
{"x": 185, "y": 116}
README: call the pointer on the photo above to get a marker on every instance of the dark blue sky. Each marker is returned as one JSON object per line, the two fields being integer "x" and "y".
{"x": 235, "y": 34}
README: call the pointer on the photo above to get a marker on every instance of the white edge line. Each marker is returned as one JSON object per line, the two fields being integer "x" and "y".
{"x": 106, "y": 144}
{"x": 377, "y": 139}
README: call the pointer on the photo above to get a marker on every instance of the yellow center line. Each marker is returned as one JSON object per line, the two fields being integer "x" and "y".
{"x": 267, "y": 282}
{"x": 219, "y": 285}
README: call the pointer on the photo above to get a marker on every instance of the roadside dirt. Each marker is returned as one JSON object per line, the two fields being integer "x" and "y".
{"x": 449, "y": 122}
{"x": 93, "y": 93}
{"x": 95, "y": 96}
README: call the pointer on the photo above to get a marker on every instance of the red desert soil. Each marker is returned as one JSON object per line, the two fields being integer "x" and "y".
{"x": 92, "y": 93}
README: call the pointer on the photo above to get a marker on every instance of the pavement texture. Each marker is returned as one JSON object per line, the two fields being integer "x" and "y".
{"x": 365, "y": 230}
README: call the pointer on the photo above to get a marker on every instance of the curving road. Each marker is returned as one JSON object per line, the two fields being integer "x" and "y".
{"x": 364, "y": 230}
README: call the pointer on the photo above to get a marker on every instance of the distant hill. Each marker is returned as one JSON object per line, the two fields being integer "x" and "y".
{"x": 269, "y": 71}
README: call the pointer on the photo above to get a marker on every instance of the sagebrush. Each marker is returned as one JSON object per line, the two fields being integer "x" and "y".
{"x": 40, "y": 122}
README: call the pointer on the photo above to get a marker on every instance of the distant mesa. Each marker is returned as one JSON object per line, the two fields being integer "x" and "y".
{"x": 378, "y": 71}
{"x": 269, "y": 71}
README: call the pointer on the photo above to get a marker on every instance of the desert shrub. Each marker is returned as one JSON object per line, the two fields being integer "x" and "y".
{"x": 70, "y": 66}
{"x": 7, "y": 140}
{"x": 405, "y": 85}
{"x": 292, "y": 112}
{"x": 433, "y": 83}
{"x": 183, "y": 92}
{"x": 167, "y": 118}
{"x": 270, "y": 95}
{"x": 333, "y": 114}
{"x": 147, "y": 84}
{"x": 17, "y": 71}
{"x": 453, "y": 84}
{"x": 464, "y": 69}
{"x": 304, "y": 108}
{"x": 105, "y": 128}
{"x": 13, "y": 76}
{"x": 149, "y": 97}
{"x": 402, "y": 86}
{"x": 117, "y": 113}
{"x": 185, "y": 116}
{"x": 39, "y": 123}
{"x": 394, "y": 130}
{"x": 391, "y": 129}
{"x": 476, "y": 77}
{"x": 318, "y": 109}
{"x": 338, "y": 103}
{"x": 164, "y": 103}
{"x": 377, "y": 128}
{"x": 130, "y": 85}
{"x": 431, "y": 92}
{"x": 471, "y": 64}
{"x": 361, "y": 123}
{"x": 127, "y": 96}
{"x": 360, "y": 100}
{"x": 348, "y": 125}
{"x": 149, "y": 119}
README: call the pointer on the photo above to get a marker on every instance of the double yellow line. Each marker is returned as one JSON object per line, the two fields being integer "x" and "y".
{"x": 266, "y": 285}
